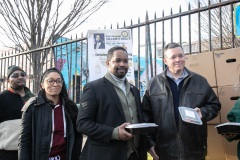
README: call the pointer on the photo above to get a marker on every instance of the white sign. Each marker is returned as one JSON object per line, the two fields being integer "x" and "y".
{"x": 99, "y": 42}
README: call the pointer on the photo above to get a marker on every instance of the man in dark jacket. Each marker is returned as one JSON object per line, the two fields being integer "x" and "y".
{"x": 106, "y": 107}
{"x": 11, "y": 103}
{"x": 177, "y": 86}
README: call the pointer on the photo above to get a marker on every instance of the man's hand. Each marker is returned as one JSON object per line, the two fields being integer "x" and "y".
{"x": 123, "y": 134}
{"x": 153, "y": 153}
{"x": 198, "y": 111}
{"x": 230, "y": 135}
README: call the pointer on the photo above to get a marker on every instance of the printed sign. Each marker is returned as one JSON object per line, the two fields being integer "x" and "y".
{"x": 99, "y": 42}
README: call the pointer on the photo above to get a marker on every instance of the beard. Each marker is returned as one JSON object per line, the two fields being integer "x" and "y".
{"x": 121, "y": 74}
{"x": 18, "y": 87}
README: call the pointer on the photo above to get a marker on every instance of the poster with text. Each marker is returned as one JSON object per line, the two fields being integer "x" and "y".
{"x": 99, "y": 42}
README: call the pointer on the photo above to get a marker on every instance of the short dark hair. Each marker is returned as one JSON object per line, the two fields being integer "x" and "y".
{"x": 171, "y": 46}
{"x": 111, "y": 50}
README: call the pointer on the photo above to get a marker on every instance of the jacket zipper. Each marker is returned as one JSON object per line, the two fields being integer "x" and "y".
{"x": 179, "y": 123}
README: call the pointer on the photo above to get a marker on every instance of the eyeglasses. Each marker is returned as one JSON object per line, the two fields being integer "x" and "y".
{"x": 180, "y": 56}
{"x": 52, "y": 81}
{"x": 16, "y": 75}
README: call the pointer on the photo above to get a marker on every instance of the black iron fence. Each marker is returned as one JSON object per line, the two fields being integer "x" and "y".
{"x": 202, "y": 27}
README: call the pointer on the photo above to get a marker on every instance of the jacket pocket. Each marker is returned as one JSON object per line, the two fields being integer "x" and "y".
{"x": 194, "y": 99}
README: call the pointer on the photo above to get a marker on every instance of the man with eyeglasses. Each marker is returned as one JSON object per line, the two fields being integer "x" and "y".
{"x": 11, "y": 103}
{"x": 177, "y": 86}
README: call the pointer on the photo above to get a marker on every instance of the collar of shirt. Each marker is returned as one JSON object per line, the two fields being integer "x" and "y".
{"x": 120, "y": 83}
{"x": 118, "y": 80}
{"x": 177, "y": 81}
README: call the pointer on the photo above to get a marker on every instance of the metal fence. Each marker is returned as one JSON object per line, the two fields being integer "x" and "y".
{"x": 206, "y": 27}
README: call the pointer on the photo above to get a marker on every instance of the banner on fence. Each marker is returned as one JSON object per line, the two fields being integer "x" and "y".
{"x": 99, "y": 42}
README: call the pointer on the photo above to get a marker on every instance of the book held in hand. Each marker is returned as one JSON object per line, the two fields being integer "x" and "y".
{"x": 228, "y": 128}
{"x": 189, "y": 115}
{"x": 141, "y": 128}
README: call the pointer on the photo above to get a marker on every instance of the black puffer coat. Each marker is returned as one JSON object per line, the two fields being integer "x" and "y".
{"x": 36, "y": 128}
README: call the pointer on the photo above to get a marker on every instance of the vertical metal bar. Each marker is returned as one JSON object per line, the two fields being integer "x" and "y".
{"x": 30, "y": 75}
{"x": 39, "y": 68}
{"x": 55, "y": 54}
{"x": 48, "y": 54}
{"x": 22, "y": 56}
{"x": 70, "y": 70}
{"x": 138, "y": 45}
{"x": 163, "y": 43}
{"x": 42, "y": 53}
{"x": 133, "y": 57}
{"x": 199, "y": 29}
{"x": 4, "y": 70}
{"x": 220, "y": 25}
{"x": 25, "y": 62}
{"x": 61, "y": 50}
{"x": 155, "y": 46}
{"x": 74, "y": 92}
{"x": 26, "y": 68}
{"x": 146, "y": 49}
{"x": 68, "y": 63}
{"x": 189, "y": 30}
{"x": 81, "y": 67}
{"x": 180, "y": 27}
{"x": 51, "y": 54}
{"x": 149, "y": 47}
{"x": 171, "y": 26}
{"x": 10, "y": 58}
{"x": 7, "y": 64}
{"x": 209, "y": 27}
{"x": 18, "y": 58}
{"x": 232, "y": 22}
{"x": 14, "y": 58}
{"x": 150, "y": 52}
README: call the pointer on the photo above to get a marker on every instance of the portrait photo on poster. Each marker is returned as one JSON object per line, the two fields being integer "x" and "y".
{"x": 99, "y": 40}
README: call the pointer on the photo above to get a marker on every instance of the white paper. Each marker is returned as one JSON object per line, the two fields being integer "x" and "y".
{"x": 141, "y": 125}
{"x": 190, "y": 114}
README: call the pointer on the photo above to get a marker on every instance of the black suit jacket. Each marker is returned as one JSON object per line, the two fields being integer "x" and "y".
{"x": 101, "y": 45}
{"x": 99, "y": 113}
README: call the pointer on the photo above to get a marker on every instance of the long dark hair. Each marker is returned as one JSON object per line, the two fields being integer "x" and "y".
{"x": 70, "y": 106}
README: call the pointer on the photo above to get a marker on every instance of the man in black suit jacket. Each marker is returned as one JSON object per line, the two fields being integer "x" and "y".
{"x": 106, "y": 107}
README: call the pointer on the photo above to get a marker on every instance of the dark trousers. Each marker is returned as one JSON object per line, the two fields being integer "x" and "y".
{"x": 133, "y": 156}
{"x": 8, "y": 155}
